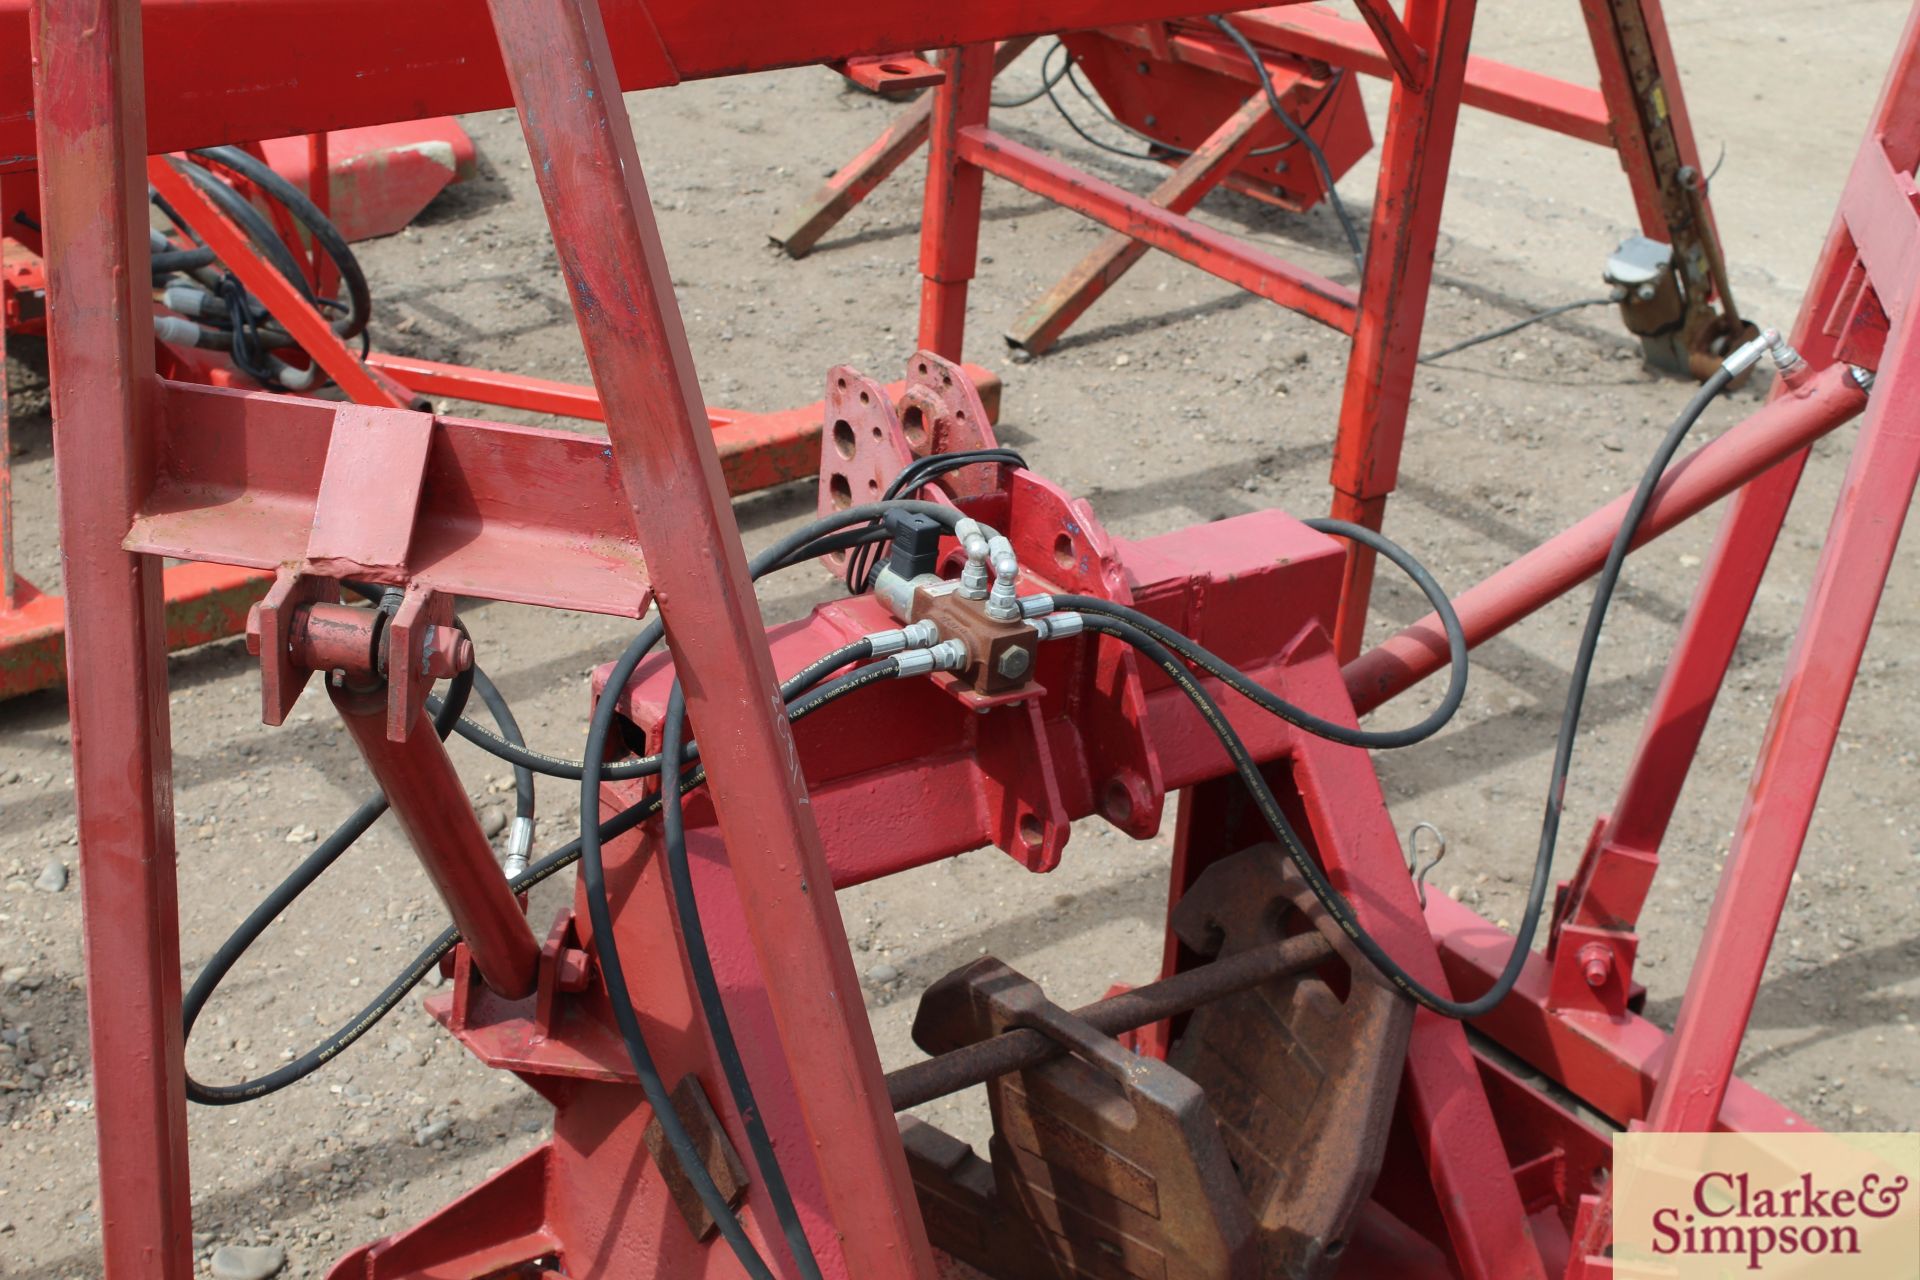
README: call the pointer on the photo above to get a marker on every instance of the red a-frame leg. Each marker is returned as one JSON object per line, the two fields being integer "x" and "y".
{"x": 1872, "y": 249}
{"x": 582, "y": 148}
{"x": 91, "y": 105}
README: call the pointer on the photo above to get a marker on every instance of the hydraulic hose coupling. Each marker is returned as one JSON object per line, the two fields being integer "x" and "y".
{"x": 1786, "y": 361}
{"x": 1748, "y": 354}
{"x": 975, "y": 577}
{"x": 948, "y": 655}
{"x": 1003, "y": 605}
{"x": 917, "y": 635}
{"x": 519, "y": 848}
{"x": 1036, "y": 606}
{"x": 1058, "y": 626}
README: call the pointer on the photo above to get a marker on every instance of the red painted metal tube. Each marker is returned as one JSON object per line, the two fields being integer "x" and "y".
{"x": 1526, "y": 96}
{"x": 1184, "y": 188}
{"x": 1777, "y": 431}
{"x": 855, "y": 180}
{"x": 950, "y": 211}
{"x": 420, "y": 782}
{"x": 1214, "y": 252}
{"x": 438, "y": 57}
{"x": 89, "y": 100}
{"x": 581, "y": 145}
{"x": 1820, "y": 672}
{"x": 1412, "y": 186}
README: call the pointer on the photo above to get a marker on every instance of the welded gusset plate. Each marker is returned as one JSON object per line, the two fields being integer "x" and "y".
{"x": 1105, "y": 1164}
{"x": 1301, "y": 1072}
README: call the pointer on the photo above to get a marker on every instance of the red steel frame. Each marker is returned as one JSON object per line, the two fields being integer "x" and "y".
{"x": 150, "y": 468}
{"x": 1425, "y": 53}
{"x": 206, "y": 602}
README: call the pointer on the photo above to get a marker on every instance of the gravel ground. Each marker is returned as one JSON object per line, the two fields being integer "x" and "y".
{"x": 1177, "y": 400}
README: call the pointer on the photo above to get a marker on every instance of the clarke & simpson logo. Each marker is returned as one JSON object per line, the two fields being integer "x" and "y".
{"x": 1711, "y": 1206}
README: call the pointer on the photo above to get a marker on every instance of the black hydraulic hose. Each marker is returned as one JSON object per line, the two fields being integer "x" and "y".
{"x": 216, "y": 969}
{"x": 241, "y": 211}
{"x": 1048, "y": 78}
{"x": 318, "y": 225}
{"x": 593, "y": 874}
{"x": 520, "y": 840}
{"x": 1515, "y": 327}
{"x": 410, "y": 977}
{"x": 169, "y": 261}
{"x": 1299, "y": 717}
{"x": 1297, "y": 853}
{"x": 686, "y": 905}
{"x": 915, "y": 475}
{"x": 1300, "y": 135}
{"x": 521, "y": 756}
{"x": 211, "y": 974}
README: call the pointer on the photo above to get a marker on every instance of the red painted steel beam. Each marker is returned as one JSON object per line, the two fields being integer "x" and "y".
{"x": 757, "y": 450}
{"x": 1613, "y": 1065}
{"x": 367, "y": 62}
{"x": 1182, "y": 189}
{"x": 582, "y": 148}
{"x": 1774, "y": 433}
{"x": 855, "y": 180}
{"x": 1218, "y": 254}
{"x": 1880, "y": 237}
{"x": 507, "y": 513}
{"x": 419, "y": 780}
{"x": 950, "y": 218}
{"x": 88, "y": 100}
{"x": 1310, "y": 32}
{"x": 201, "y": 602}
{"x": 8, "y": 591}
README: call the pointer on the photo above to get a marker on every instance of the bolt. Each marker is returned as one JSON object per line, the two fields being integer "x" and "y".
{"x": 1596, "y": 964}
{"x": 1014, "y": 662}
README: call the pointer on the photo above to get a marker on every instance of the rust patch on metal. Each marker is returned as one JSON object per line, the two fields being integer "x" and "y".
{"x": 716, "y": 1153}
{"x": 1302, "y": 1072}
{"x": 1248, "y": 1153}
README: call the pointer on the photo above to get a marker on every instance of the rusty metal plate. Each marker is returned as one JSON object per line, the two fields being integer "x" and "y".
{"x": 1301, "y": 1072}
{"x": 1105, "y": 1165}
